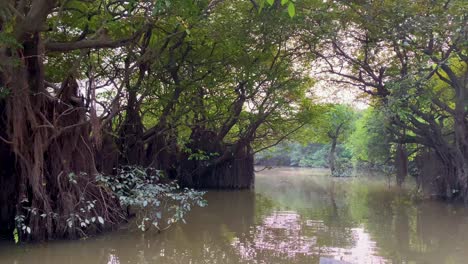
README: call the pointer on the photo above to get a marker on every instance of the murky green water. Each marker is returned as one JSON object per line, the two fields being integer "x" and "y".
{"x": 293, "y": 216}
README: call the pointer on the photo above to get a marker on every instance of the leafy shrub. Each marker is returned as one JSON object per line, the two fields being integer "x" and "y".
{"x": 158, "y": 204}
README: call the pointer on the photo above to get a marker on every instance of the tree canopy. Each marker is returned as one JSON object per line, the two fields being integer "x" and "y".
{"x": 195, "y": 88}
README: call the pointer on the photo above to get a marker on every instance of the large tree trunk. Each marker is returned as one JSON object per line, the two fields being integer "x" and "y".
{"x": 224, "y": 167}
{"x": 107, "y": 155}
{"x": 233, "y": 173}
{"x": 8, "y": 181}
{"x": 461, "y": 135}
{"x": 130, "y": 134}
{"x": 162, "y": 152}
{"x": 442, "y": 172}
{"x": 332, "y": 157}
{"x": 401, "y": 164}
{"x": 49, "y": 138}
{"x": 449, "y": 182}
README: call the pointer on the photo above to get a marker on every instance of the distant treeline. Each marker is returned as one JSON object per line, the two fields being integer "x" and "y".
{"x": 311, "y": 155}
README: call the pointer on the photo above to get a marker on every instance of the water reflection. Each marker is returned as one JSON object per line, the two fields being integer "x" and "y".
{"x": 281, "y": 235}
{"x": 293, "y": 216}
{"x": 285, "y": 236}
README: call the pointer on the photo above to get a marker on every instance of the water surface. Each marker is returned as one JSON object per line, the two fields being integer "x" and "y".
{"x": 293, "y": 216}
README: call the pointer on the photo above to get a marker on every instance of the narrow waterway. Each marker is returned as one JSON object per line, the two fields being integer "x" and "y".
{"x": 292, "y": 216}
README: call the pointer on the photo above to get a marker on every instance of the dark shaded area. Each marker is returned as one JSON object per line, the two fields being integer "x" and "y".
{"x": 8, "y": 181}
{"x": 225, "y": 166}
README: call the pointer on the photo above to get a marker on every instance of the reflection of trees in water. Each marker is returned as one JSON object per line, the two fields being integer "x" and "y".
{"x": 286, "y": 221}
{"x": 296, "y": 236}
{"x": 208, "y": 237}
{"x": 282, "y": 234}
{"x": 286, "y": 237}
{"x": 398, "y": 228}
{"x": 426, "y": 232}
{"x": 314, "y": 198}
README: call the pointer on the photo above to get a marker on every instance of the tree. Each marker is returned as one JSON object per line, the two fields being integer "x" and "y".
{"x": 88, "y": 86}
{"x": 396, "y": 59}
{"x": 54, "y": 133}
{"x": 336, "y": 125}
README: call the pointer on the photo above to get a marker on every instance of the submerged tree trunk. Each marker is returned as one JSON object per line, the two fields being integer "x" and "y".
{"x": 221, "y": 166}
{"x": 454, "y": 184}
{"x": 401, "y": 164}
{"x": 233, "y": 173}
{"x": 440, "y": 174}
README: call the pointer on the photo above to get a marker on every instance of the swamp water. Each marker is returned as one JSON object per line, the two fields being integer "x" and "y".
{"x": 292, "y": 216}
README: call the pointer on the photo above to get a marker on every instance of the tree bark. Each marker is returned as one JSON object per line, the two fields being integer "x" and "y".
{"x": 401, "y": 164}
{"x": 332, "y": 156}
{"x": 48, "y": 137}
{"x": 228, "y": 167}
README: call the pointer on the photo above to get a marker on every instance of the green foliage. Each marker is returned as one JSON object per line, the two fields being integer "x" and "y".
{"x": 370, "y": 142}
{"x": 291, "y": 9}
{"x": 184, "y": 73}
{"x": 315, "y": 158}
{"x": 16, "y": 236}
{"x": 7, "y": 40}
{"x": 418, "y": 49}
{"x": 4, "y": 92}
{"x": 295, "y": 154}
{"x": 291, "y": 5}
{"x": 157, "y": 204}
{"x": 332, "y": 121}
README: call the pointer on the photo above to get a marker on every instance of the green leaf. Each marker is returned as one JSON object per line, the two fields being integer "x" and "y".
{"x": 291, "y": 9}
{"x": 16, "y": 236}
{"x": 271, "y": 2}
{"x": 283, "y": 2}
